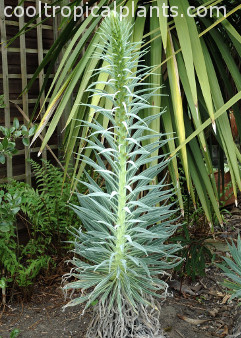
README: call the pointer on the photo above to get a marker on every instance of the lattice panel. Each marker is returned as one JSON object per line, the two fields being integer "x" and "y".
{"x": 18, "y": 62}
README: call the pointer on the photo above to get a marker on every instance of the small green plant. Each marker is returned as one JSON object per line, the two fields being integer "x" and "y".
{"x": 232, "y": 269}
{"x": 19, "y": 264}
{"x": 194, "y": 252}
{"x": 9, "y": 207}
{"x": 45, "y": 214}
{"x": 45, "y": 207}
{"x": 192, "y": 236}
{"x": 8, "y": 142}
{"x": 122, "y": 253}
{"x": 14, "y": 333}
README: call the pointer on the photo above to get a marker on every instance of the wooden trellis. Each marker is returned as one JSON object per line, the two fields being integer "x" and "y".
{"x": 17, "y": 65}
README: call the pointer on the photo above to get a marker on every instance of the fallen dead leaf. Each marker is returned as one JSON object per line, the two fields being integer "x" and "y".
{"x": 235, "y": 211}
{"x": 213, "y": 312}
{"x": 183, "y": 288}
{"x": 196, "y": 287}
{"x": 225, "y": 331}
{"x": 215, "y": 293}
{"x": 225, "y": 299}
{"x": 193, "y": 321}
{"x": 216, "y": 245}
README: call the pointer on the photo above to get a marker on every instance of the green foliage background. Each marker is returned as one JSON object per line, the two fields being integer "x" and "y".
{"x": 196, "y": 59}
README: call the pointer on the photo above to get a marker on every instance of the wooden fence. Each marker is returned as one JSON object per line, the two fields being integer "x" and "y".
{"x": 18, "y": 62}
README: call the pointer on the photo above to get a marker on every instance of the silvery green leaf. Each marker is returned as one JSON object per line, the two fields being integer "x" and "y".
{"x": 128, "y": 237}
{"x": 127, "y": 210}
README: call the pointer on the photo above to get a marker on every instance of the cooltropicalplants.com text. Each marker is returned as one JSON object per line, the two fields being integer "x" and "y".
{"x": 76, "y": 12}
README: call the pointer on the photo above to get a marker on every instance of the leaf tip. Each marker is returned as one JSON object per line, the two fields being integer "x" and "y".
{"x": 214, "y": 127}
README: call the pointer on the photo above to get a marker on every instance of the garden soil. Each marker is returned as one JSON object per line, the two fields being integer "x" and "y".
{"x": 193, "y": 309}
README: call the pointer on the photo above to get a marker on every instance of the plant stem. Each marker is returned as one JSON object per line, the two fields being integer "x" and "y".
{"x": 121, "y": 216}
{"x": 120, "y": 76}
{"x": 4, "y": 298}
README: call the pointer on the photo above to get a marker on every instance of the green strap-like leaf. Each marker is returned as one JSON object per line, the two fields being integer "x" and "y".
{"x": 162, "y": 21}
{"x": 221, "y": 111}
{"x": 199, "y": 61}
{"x": 186, "y": 46}
{"x": 177, "y": 103}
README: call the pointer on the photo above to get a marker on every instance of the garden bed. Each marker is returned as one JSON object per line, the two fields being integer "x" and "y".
{"x": 192, "y": 310}
{"x": 43, "y": 315}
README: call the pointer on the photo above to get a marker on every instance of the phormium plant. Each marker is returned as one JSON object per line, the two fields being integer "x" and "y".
{"x": 122, "y": 252}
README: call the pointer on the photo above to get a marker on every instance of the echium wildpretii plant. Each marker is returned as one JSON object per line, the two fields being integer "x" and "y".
{"x": 127, "y": 222}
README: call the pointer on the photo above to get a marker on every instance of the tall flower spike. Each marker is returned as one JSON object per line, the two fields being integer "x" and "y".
{"x": 126, "y": 222}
